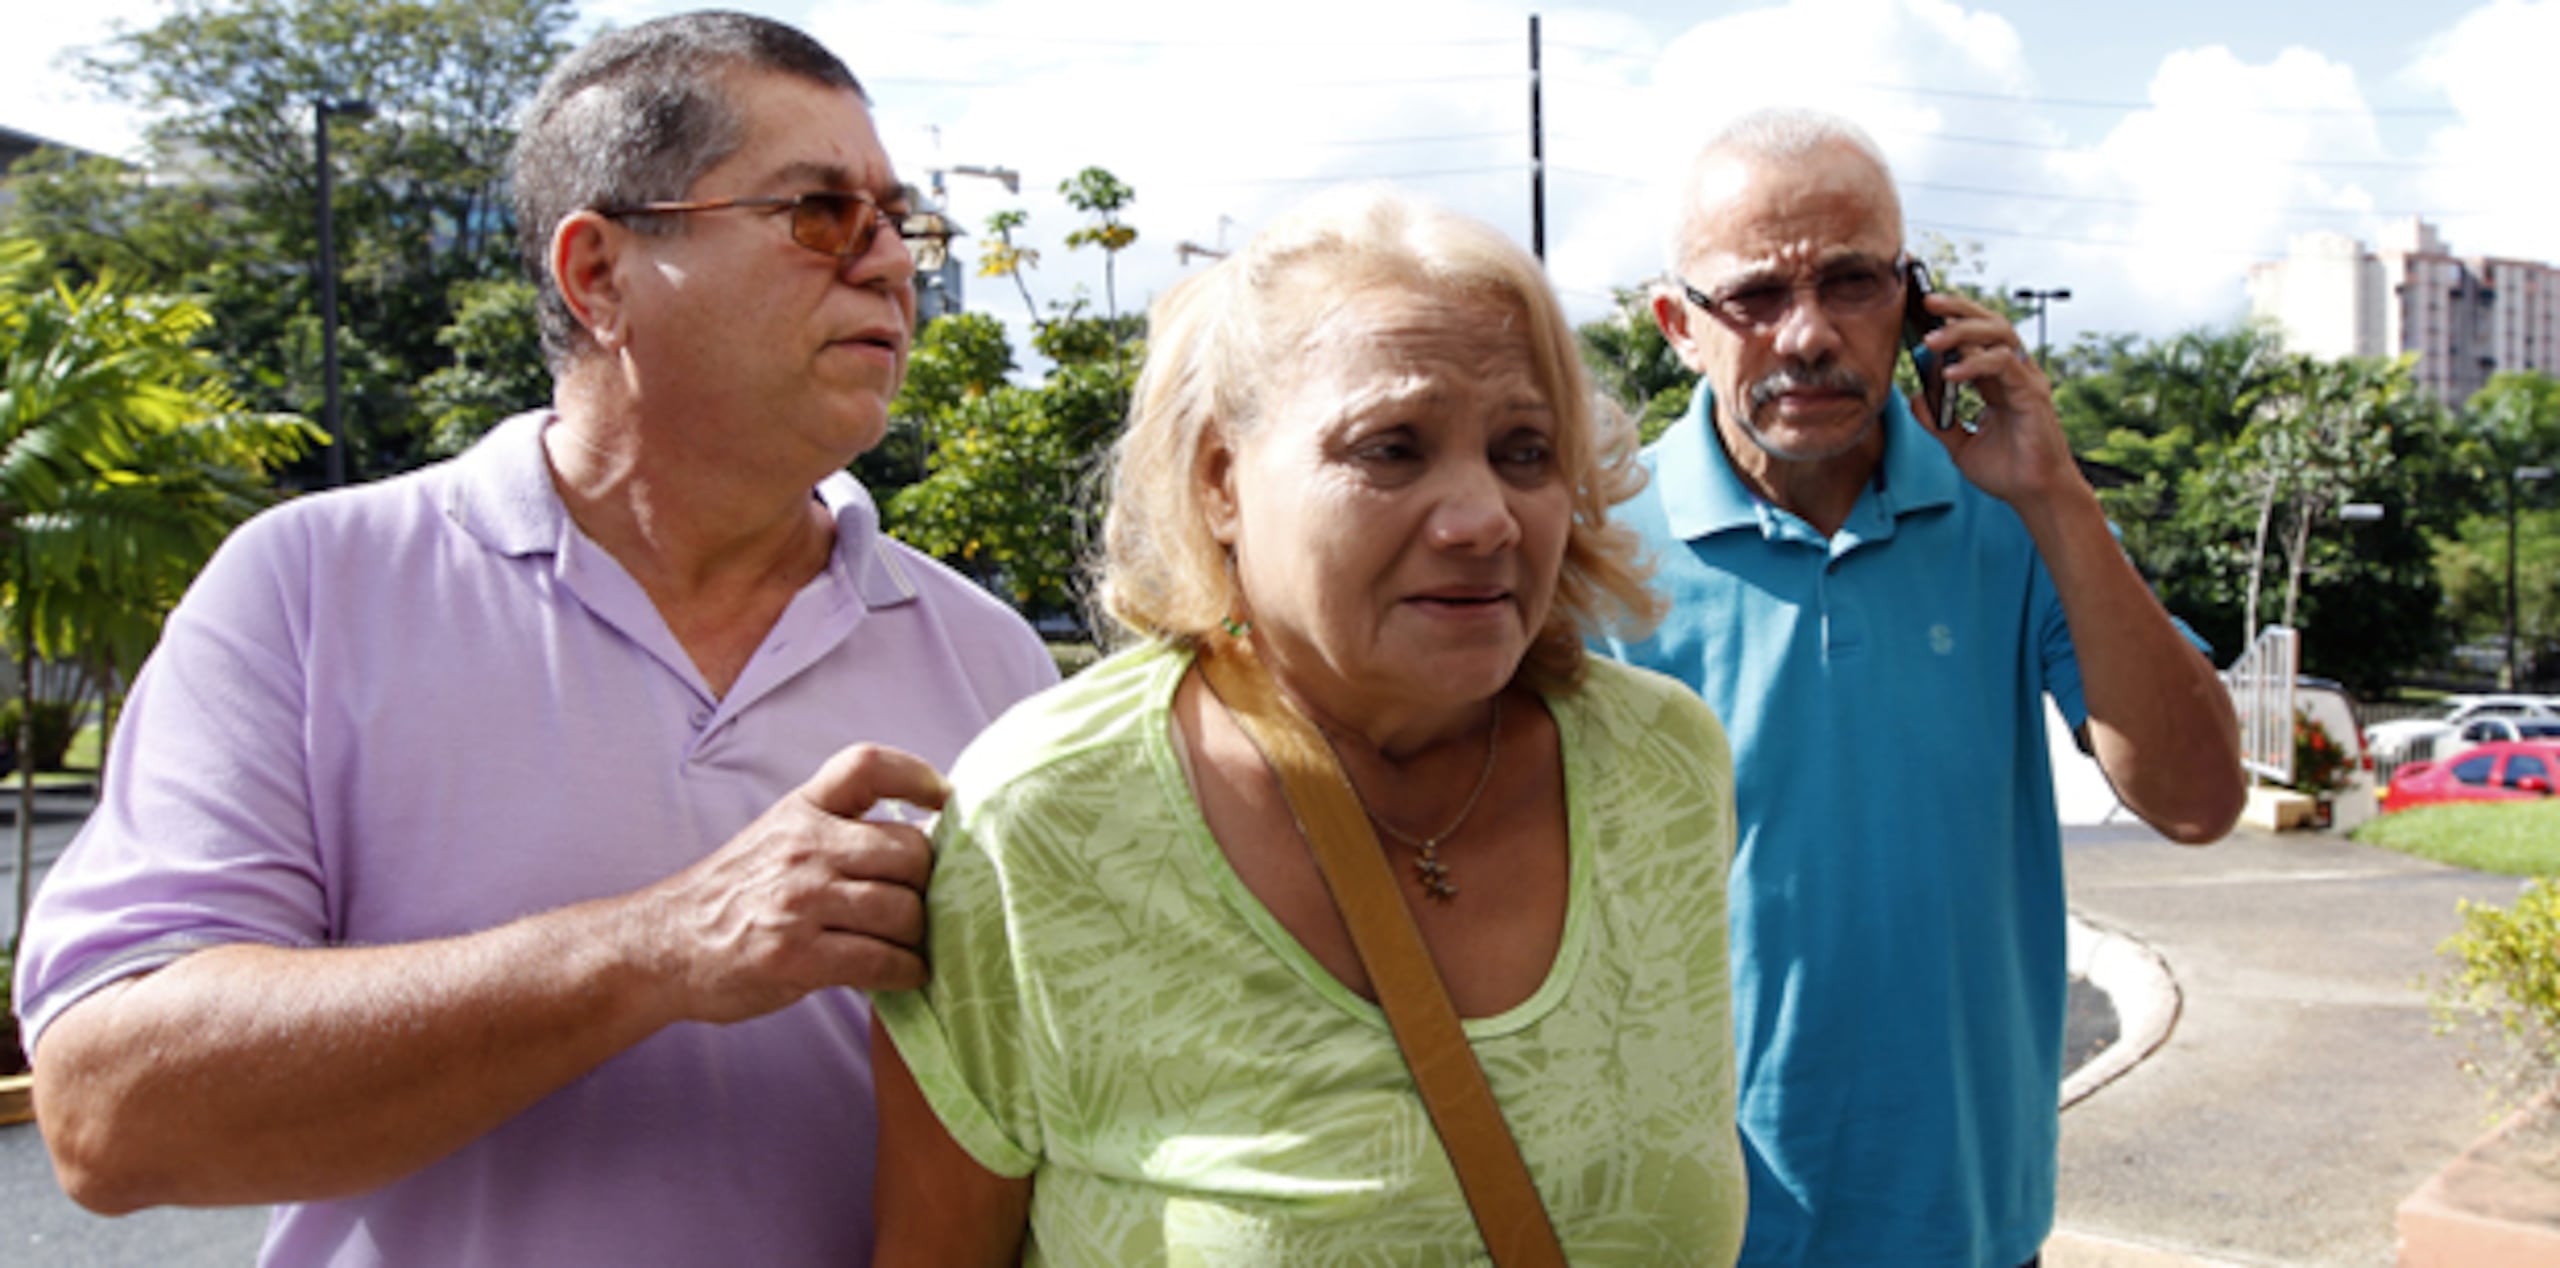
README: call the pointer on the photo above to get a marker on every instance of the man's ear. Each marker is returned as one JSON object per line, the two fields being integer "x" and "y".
{"x": 1671, "y": 313}
{"x": 1216, "y": 472}
{"x": 586, "y": 255}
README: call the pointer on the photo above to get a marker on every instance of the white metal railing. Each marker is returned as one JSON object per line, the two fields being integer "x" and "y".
{"x": 2261, "y": 685}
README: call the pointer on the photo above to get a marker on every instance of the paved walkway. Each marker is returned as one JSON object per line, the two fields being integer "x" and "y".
{"x": 2301, "y": 1093}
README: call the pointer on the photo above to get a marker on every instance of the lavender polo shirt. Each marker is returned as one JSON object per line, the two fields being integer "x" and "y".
{"x": 429, "y": 706}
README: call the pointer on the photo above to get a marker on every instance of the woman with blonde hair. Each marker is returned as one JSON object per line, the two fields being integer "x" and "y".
{"x": 1363, "y": 501}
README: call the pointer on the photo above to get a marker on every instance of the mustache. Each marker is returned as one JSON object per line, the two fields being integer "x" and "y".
{"x": 1827, "y": 378}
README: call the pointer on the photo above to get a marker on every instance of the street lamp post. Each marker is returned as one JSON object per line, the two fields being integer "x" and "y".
{"x": 2518, "y": 476}
{"x": 322, "y": 109}
{"x": 2042, "y": 299}
{"x": 938, "y": 289}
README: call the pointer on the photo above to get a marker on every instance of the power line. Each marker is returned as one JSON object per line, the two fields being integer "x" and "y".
{"x": 1443, "y": 139}
{"x": 1351, "y": 178}
{"x": 1329, "y": 44}
{"x": 1588, "y": 174}
{"x": 2057, "y": 103}
{"x": 1015, "y": 79}
{"x": 2036, "y": 195}
{"x": 2111, "y": 244}
{"x": 1594, "y": 50}
{"x": 2099, "y": 200}
{"x": 2083, "y": 103}
{"x": 2047, "y": 147}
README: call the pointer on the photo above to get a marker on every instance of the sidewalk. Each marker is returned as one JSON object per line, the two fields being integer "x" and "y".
{"x": 2301, "y": 1093}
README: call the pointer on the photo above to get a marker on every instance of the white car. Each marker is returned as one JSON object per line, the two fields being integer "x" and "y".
{"x": 2466, "y": 720}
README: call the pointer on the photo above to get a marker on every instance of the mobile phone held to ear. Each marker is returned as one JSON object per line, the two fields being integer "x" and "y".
{"x": 1917, "y": 322}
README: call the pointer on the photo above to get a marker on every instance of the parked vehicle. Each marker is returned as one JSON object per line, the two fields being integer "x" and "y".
{"x": 2484, "y": 730}
{"x": 2501, "y": 770}
{"x": 2466, "y": 720}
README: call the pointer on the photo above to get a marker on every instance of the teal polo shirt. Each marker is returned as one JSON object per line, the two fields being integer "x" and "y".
{"x": 1897, "y": 899}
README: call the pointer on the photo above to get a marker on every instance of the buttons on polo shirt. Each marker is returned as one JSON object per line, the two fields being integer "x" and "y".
{"x": 1844, "y": 622}
{"x": 700, "y": 718}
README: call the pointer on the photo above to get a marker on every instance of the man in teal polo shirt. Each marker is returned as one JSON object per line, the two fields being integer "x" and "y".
{"x": 1877, "y": 608}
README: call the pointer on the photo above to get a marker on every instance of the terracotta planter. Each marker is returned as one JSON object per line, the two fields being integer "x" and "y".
{"x": 2499, "y": 1203}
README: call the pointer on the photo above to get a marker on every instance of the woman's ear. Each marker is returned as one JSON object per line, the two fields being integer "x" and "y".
{"x": 1217, "y": 477}
{"x": 586, "y": 255}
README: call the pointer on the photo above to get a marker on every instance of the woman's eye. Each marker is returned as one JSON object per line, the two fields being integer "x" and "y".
{"x": 1393, "y": 447}
{"x": 1528, "y": 453}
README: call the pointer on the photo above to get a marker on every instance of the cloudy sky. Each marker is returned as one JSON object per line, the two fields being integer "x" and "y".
{"x": 2142, "y": 156}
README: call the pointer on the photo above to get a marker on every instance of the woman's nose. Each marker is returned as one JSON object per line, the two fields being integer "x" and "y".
{"x": 1474, "y": 512}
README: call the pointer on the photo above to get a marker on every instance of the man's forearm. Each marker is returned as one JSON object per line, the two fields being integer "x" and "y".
{"x": 245, "y": 1074}
{"x": 2160, "y": 722}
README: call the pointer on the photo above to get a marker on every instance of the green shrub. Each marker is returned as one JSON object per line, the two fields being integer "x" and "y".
{"x": 2504, "y": 996}
{"x": 53, "y": 731}
{"x": 13, "y": 1056}
{"x": 1073, "y": 658}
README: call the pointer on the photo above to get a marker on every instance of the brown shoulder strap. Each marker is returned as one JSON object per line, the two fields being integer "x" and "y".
{"x": 1497, "y": 1185}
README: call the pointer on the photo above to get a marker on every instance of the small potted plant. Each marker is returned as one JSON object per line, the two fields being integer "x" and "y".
{"x": 2320, "y": 766}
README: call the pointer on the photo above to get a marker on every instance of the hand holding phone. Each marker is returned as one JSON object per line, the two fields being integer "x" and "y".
{"x": 1928, "y": 364}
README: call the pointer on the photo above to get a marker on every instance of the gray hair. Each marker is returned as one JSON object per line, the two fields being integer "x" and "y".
{"x": 638, "y": 116}
{"x": 1769, "y": 135}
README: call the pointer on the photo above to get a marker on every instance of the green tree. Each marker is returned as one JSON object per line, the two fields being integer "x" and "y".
{"x": 1010, "y": 496}
{"x": 230, "y": 212}
{"x": 1102, "y": 196}
{"x": 1635, "y": 365}
{"x": 2318, "y": 436}
{"x": 2500, "y": 568}
{"x": 957, "y": 358}
{"x": 997, "y": 478}
{"x": 497, "y": 368}
{"x": 2210, "y": 430}
{"x": 124, "y": 459}
{"x": 1003, "y": 257}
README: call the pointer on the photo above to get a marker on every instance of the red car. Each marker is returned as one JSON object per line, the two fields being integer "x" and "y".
{"x": 2502, "y": 770}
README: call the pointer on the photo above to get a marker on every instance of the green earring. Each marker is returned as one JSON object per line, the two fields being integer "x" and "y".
{"x": 1236, "y": 627}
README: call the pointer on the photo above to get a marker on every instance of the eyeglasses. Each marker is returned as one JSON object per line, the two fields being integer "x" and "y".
{"x": 1850, "y": 288}
{"x": 838, "y": 222}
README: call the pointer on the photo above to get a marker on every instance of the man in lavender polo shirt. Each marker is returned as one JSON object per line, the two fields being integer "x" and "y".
{"x": 488, "y": 852}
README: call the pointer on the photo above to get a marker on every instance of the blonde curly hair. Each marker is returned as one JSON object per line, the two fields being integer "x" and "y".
{"x": 1218, "y": 345}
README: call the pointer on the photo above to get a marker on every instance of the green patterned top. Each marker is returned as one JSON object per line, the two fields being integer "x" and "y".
{"x": 1115, "y": 1014}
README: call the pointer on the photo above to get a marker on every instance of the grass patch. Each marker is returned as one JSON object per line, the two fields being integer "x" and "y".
{"x": 82, "y": 755}
{"x": 2514, "y": 838}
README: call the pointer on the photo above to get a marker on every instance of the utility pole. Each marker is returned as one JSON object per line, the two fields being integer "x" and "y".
{"x": 1537, "y": 152}
{"x": 1186, "y": 250}
{"x": 938, "y": 288}
{"x": 322, "y": 108}
{"x": 2042, "y": 299}
{"x": 2515, "y": 477}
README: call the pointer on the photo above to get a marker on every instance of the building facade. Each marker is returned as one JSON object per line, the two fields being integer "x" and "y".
{"x": 2465, "y": 319}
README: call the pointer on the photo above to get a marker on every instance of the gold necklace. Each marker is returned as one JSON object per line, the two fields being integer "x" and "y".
{"x": 1426, "y": 862}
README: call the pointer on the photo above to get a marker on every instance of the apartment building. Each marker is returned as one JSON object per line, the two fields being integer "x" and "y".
{"x": 2466, "y": 319}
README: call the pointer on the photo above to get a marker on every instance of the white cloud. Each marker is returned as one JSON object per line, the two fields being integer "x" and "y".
{"x": 1222, "y": 114}
{"x": 1216, "y": 113}
{"x": 2491, "y": 170}
{"x": 2226, "y": 161}
{"x": 1211, "y": 113}
{"x": 40, "y": 94}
